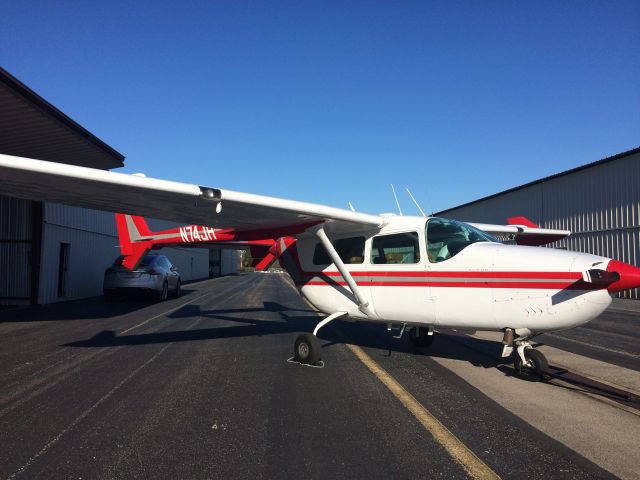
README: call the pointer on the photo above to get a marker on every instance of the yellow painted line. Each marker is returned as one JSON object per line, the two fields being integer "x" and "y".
{"x": 475, "y": 467}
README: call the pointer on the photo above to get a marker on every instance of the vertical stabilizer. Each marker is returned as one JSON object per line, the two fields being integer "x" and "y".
{"x": 131, "y": 233}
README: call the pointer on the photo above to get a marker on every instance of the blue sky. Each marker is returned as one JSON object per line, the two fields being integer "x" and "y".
{"x": 330, "y": 102}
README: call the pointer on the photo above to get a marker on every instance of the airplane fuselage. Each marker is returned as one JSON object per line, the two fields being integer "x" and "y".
{"x": 484, "y": 286}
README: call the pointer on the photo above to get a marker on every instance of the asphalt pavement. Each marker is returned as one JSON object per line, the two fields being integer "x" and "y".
{"x": 614, "y": 337}
{"x": 201, "y": 387}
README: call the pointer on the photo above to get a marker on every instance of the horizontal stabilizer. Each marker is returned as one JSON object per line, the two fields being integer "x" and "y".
{"x": 523, "y": 231}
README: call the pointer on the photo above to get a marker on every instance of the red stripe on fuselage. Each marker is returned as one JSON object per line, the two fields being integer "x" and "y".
{"x": 525, "y": 285}
{"x": 471, "y": 275}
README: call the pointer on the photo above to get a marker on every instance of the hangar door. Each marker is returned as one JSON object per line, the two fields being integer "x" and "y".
{"x": 20, "y": 227}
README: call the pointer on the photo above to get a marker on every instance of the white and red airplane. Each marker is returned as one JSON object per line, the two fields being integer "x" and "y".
{"x": 424, "y": 273}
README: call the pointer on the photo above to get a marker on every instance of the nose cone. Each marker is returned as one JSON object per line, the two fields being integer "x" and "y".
{"x": 629, "y": 276}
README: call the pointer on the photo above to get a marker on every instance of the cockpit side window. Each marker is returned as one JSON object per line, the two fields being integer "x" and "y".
{"x": 447, "y": 238}
{"x": 396, "y": 248}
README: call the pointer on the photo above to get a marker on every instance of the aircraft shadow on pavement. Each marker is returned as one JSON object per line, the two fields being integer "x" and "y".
{"x": 278, "y": 323}
{"x": 83, "y": 309}
{"x": 273, "y": 318}
{"x": 443, "y": 346}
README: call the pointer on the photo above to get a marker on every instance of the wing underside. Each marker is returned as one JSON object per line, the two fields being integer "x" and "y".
{"x": 257, "y": 215}
{"x": 180, "y": 202}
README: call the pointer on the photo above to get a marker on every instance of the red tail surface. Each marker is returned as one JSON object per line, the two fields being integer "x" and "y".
{"x": 136, "y": 239}
{"x": 521, "y": 221}
{"x": 131, "y": 233}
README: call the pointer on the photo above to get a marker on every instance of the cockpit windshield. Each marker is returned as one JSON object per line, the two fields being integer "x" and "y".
{"x": 447, "y": 238}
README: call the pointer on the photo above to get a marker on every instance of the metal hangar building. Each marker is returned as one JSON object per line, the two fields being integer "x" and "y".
{"x": 51, "y": 252}
{"x": 599, "y": 202}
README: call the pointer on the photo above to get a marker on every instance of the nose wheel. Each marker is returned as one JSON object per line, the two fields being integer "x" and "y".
{"x": 533, "y": 364}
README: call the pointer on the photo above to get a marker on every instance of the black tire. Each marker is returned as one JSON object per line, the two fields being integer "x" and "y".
{"x": 306, "y": 349}
{"x": 539, "y": 365}
{"x": 178, "y": 291}
{"x": 109, "y": 297}
{"x": 164, "y": 293}
{"x": 420, "y": 338}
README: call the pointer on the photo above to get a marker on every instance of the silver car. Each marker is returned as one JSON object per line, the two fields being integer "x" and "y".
{"x": 155, "y": 275}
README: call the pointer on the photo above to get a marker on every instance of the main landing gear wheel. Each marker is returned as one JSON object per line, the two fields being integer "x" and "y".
{"x": 306, "y": 349}
{"x": 164, "y": 293}
{"x": 536, "y": 366}
{"x": 420, "y": 337}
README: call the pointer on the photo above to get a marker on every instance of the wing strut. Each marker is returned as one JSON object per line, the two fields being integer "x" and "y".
{"x": 363, "y": 305}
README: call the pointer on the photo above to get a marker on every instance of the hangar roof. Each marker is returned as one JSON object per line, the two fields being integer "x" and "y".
{"x": 32, "y": 127}
{"x": 561, "y": 174}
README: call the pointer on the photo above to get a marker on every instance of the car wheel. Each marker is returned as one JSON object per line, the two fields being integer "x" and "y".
{"x": 178, "y": 290}
{"x": 164, "y": 293}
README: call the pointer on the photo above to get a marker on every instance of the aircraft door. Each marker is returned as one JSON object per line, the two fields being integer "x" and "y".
{"x": 460, "y": 267}
{"x": 399, "y": 288}
{"x": 322, "y": 283}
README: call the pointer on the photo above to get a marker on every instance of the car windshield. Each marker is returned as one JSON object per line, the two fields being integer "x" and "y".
{"x": 447, "y": 238}
{"x": 147, "y": 260}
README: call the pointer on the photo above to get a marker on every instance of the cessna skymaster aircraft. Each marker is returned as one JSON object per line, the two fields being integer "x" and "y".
{"x": 422, "y": 273}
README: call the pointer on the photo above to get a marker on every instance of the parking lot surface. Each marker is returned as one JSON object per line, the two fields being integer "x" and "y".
{"x": 201, "y": 387}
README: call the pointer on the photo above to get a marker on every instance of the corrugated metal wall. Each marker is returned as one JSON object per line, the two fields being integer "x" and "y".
{"x": 15, "y": 251}
{"x": 600, "y": 205}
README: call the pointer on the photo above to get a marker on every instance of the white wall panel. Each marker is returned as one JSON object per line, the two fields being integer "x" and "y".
{"x": 192, "y": 263}
{"x": 90, "y": 254}
{"x": 228, "y": 262}
{"x": 93, "y": 238}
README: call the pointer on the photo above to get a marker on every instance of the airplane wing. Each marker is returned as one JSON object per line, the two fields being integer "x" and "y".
{"x": 525, "y": 234}
{"x": 181, "y": 202}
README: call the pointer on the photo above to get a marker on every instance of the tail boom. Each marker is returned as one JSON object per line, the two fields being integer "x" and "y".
{"x": 136, "y": 239}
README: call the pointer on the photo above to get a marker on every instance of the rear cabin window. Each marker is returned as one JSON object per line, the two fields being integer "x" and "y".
{"x": 396, "y": 248}
{"x": 350, "y": 250}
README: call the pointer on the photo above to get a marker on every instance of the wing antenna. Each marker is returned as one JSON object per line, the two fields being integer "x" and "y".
{"x": 396, "y": 197}
{"x": 351, "y": 207}
{"x": 415, "y": 201}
